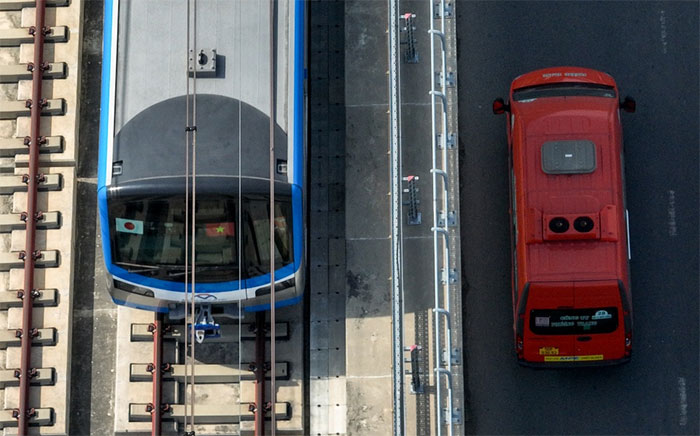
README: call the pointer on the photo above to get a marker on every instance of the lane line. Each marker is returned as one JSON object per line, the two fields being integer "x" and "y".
{"x": 682, "y": 402}
{"x": 664, "y": 33}
{"x": 672, "y": 227}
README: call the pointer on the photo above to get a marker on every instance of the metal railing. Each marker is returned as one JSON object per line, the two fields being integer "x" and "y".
{"x": 397, "y": 308}
{"x": 443, "y": 276}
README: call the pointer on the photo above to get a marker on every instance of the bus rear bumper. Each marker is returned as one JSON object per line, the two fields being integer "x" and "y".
{"x": 574, "y": 364}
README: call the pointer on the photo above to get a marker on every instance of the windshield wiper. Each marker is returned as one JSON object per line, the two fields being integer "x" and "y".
{"x": 179, "y": 270}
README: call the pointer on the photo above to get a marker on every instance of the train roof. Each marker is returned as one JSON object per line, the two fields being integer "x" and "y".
{"x": 233, "y": 100}
{"x": 569, "y": 153}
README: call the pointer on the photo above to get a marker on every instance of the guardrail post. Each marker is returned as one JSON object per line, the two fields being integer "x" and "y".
{"x": 411, "y": 53}
{"x": 414, "y": 215}
{"x": 416, "y": 385}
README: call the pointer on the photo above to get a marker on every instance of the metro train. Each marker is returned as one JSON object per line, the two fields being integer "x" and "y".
{"x": 143, "y": 150}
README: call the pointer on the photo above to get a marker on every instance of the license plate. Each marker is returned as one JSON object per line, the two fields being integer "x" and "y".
{"x": 549, "y": 351}
{"x": 586, "y": 358}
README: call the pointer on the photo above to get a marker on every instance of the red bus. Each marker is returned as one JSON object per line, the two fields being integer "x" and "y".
{"x": 570, "y": 275}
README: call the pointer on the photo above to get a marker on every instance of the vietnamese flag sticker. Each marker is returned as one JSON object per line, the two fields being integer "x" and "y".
{"x": 129, "y": 226}
{"x": 220, "y": 229}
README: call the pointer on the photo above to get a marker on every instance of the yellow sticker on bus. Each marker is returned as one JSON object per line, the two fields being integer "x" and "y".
{"x": 586, "y": 358}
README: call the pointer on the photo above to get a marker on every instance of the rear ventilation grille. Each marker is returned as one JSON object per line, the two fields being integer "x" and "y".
{"x": 583, "y": 224}
{"x": 559, "y": 224}
{"x": 571, "y": 227}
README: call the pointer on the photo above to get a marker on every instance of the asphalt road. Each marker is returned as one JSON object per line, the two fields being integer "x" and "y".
{"x": 651, "y": 49}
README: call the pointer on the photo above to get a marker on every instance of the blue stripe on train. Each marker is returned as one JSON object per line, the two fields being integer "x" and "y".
{"x": 104, "y": 99}
{"x": 278, "y": 304}
{"x": 299, "y": 158}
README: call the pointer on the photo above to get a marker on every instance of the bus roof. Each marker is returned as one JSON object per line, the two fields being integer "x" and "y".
{"x": 562, "y": 75}
{"x": 568, "y": 156}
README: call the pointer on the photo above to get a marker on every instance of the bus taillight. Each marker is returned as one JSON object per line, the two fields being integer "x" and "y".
{"x": 519, "y": 346}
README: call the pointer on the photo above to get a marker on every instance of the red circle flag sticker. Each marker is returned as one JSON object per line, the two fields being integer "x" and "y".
{"x": 129, "y": 226}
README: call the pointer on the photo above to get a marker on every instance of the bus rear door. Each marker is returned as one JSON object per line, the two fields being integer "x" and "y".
{"x": 601, "y": 333}
{"x": 542, "y": 337}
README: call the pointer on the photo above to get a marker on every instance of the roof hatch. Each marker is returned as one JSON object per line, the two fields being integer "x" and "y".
{"x": 568, "y": 157}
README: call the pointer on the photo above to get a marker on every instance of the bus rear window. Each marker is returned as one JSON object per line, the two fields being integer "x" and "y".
{"x": 573, "y": 321}
{"x": 563, "y": 90}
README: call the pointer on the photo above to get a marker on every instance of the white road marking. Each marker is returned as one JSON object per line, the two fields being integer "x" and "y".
{"x": 662, "y": 21}
{"x": 683, "y": 402}
{"x": 672, "y": 228}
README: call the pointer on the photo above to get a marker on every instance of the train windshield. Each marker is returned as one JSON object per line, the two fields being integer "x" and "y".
{"x": 231, "y": 238}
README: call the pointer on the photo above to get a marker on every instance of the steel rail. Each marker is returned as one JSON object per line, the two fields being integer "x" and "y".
{"x": 32, "y": 180}
{"x": 157, "y": 372}
{"x": 259, "y": 406}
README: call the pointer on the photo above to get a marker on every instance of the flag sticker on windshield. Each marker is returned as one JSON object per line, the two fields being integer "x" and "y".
{"x": 220, "y": 229}
{"x": 129, "y": 226}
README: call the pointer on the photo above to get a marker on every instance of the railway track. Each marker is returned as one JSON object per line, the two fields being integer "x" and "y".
{"x": 39, "y": 60}
{"x": 225, "y": 386}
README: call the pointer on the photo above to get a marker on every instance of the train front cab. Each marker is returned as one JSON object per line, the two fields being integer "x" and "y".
{"x": 145, "y": 249}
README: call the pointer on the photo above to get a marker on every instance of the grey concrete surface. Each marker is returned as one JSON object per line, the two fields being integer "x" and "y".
{"x": 368, "y": 246}
{"x": 94, "y": 315}
{"x": 651, "y": 49}
{"x": 368, "y": 252}
{"x": 327, "y": 399}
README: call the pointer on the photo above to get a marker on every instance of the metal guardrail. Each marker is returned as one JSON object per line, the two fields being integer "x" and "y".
{"x": 397, "y": 309}
{"x": 443, "y": 276}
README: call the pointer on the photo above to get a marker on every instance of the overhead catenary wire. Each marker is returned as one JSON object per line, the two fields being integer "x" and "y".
{"x": 273, "y": 395}
{"x": 193, "y": 206}
{"x": 187, "y": 202}
{"x": 187, "y": 198}
{"x": 240, "y": 207}
{"x": 190, "y": 221}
